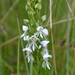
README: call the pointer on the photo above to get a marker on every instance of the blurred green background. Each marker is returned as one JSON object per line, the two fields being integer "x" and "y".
{"x": 9, "y": 34}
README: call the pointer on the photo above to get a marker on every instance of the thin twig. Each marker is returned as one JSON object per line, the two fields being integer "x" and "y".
{"x": 9, "y": 41}
{"x": 10, "y": 9}
{"x": 70, "y": 9}
{"x": 52, "y": 37}
{"x": 58, "y": 22}
{"x": 62, "y": 21}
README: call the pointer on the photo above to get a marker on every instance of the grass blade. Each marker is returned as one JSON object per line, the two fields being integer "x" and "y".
{"x": 68, "y": 34}
{"x": 0, "y": 64}
{"x": 22, "y": 48}
{"x": 18, "y": 57}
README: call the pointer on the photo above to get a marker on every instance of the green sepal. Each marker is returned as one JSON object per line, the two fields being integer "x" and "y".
{"x": 43, "y": 18}
{"x": 26, "y": 21}
{"x": 44, "y": 65}
{"x": 38, "y": 6}
{"x": 32, "y": 58}
{"x": 39, "y": 1}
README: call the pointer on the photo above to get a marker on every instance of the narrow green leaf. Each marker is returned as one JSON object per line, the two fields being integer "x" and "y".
{"x": 22, "y": 48}
{"x": 34, "y": 71}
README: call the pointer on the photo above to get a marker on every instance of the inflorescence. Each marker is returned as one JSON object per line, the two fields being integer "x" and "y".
{"x": 35, "y": 35}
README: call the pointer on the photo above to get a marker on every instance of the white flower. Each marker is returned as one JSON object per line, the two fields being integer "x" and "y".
{"x": 28, "y": 51}
{"x": 25, "y": 29}
{"x": 33, "y": 39}
{"x": 44, "y": 43}
{"x": 45, "y": 57}
{"x": 42, "y": 31}
{"x": 26, "y": 38}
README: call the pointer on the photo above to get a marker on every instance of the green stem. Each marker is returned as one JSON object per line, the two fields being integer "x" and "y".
{"x": 52, "y": 70}
{"x": 31, "y": 69}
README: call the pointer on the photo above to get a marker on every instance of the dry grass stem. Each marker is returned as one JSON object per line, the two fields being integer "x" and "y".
{"x": 52, "y": 37}
{"x": 58, "y": 22}
{"x": 9, "y": 41}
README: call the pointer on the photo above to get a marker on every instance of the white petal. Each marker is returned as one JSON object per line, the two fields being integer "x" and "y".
{"x": 36, "y": 38}
{"x": 33, "y": 38}
{"x": 27, "y": 49}
{"x": 47, "y": 65}
{"x": 39, "y": 46}
{"x": 39, "y": 28}
{"x": 33, "y": 47}
{"x": 28, "y": 59}
{"x": 46, "y": 56}
{"x": 45, "y": 31}
{"x": 25, "y": 28}
{"x": 44, "y": 43}
{"x": 22, "y": 35}
{"x": 41, "y": 35}
{"x": 26, "y": 38}
{"x": 46, "y": 50}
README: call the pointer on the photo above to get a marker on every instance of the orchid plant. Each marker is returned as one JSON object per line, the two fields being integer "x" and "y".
{"x": 35, "y": 34}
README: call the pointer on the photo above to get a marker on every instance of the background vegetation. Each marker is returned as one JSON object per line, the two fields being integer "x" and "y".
{"x": 63, "y": 35}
